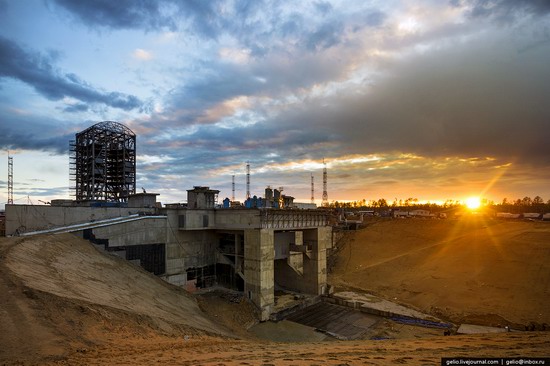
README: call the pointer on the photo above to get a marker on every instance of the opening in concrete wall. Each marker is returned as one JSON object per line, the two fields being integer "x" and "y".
{"x": 202, "y": 277}
{"x": 297, "y": 264}
{"x": 230, "y": 260}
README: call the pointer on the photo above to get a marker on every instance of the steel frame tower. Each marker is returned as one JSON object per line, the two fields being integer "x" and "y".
{"x": 325, "y": 193}
{"x": 103, "y": 163}
{"x": 312, "y": 190}
{"x": 247, "y": 180}
{"x": 10, "y": 179}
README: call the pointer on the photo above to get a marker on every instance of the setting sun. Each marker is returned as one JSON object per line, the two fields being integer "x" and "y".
{"x": 473, "y": 203}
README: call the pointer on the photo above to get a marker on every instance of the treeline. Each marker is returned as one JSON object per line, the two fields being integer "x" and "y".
{"x": 525, "y": 204}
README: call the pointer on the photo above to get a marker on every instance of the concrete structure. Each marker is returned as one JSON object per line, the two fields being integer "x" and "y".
{"x": 147, "y": 200}
{"x": 250, "y": 250}
{"x": 202, "y": 197}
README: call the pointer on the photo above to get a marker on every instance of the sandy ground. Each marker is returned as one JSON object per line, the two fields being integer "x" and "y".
{"x": 472, "y": 270}
{"x": 105, "y": 311}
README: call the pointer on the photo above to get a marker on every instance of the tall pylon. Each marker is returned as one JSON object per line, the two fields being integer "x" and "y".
{"x": 325, "y": 193}
{"x": 247, "y": 180}
{"x": 233, "y": 188}
{"x": 312, "y": 190}
{"x": 10, "y": 179}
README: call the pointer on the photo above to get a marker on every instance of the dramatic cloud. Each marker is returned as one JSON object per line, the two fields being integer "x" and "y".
{"x": 126, "y": 14}
{"x": 431, "y": 99}
{"x": 36, "y": 70}
{"x": 504, "y": 10}
{"x": 29, "y": 132}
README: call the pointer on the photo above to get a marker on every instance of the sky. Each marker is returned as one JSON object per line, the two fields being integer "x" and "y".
{"x": 429, "y": 99}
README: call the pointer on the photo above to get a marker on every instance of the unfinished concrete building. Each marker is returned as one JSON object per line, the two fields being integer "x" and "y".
{"x": 103, "y": 163}
{"x": 254, "y": 251}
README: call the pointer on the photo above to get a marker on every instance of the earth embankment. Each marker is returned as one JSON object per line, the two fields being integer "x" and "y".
{"x": 474, "y": 269}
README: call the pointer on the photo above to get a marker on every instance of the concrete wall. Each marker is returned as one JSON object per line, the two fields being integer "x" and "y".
{"x": 193, "y": 219}
{"x": 282, "y": 243}
{"x": 139, "y": 232}
{"x": 187, "y": 249}
{"x": 238, "y": 219}
{"x": 27, "y": 218}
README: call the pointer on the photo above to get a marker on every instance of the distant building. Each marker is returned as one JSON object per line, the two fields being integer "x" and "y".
{"x": 202, "y": 197}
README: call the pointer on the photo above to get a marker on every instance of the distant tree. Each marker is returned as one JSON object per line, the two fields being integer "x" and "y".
{"x": 526, "y": 201}
{"x": 382, "y": 202}
{"x": 504, "y": 201}
{"x": 538, "y": 200}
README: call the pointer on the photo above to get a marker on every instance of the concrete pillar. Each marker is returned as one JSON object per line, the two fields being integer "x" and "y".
{"x": 259, "y": 255}
{"x": 315, "y": 267}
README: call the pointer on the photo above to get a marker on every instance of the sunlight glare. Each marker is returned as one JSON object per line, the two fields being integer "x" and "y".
{"x": 473, "y": 203}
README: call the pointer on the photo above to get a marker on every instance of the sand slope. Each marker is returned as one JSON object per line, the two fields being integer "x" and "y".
{"x": 469, "y": 270}
{"x": 62, "y": 292}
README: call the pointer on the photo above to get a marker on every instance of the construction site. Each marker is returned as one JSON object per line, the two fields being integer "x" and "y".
{"x": 116, "y": 277}
{"x": 253, "y": 249}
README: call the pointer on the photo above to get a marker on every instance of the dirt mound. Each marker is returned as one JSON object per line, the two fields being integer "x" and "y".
{"x": 63, "y": 294}
{"x": 495, "y": 272}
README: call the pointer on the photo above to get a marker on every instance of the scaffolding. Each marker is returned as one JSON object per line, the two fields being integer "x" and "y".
{"x": 103, "y": 163}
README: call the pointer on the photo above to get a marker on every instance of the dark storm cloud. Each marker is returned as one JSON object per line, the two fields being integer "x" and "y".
{"x": 30, "y": 132}
{"x": 124, "y": 14}
{"x": 153, "y": 15}
{"x": 504, "y": 11}
{"x": 36, "y": 70}
{"x": 480, "y": 99}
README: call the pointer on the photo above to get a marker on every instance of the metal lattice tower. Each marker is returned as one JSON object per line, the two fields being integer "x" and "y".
{"x": 103, "y": 163}
{"x": 233, "y": 188}
{"x": 10, "y": 179}
{"x": 325, "y": 193}
{"x": 247, "y": 180}
{"x": 312, "y": 190}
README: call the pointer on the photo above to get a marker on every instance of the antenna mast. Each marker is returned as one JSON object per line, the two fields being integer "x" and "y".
{"x": 312, "y": 190}
{"x": 233, "y": 188}
{"x": 10, "y": 179}
{"x": 325, "y": 194}
{"x": 247, "y": 180}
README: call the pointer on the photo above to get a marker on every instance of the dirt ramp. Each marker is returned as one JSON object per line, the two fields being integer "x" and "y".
{"x": 69, "y": 267}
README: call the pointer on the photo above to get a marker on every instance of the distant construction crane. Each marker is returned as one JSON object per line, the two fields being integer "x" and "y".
{"x": 247, "y": 180}
{"x": 325, "y": 193}
{"x": 10, "y": 179}
{"x": 312, "y": 190}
